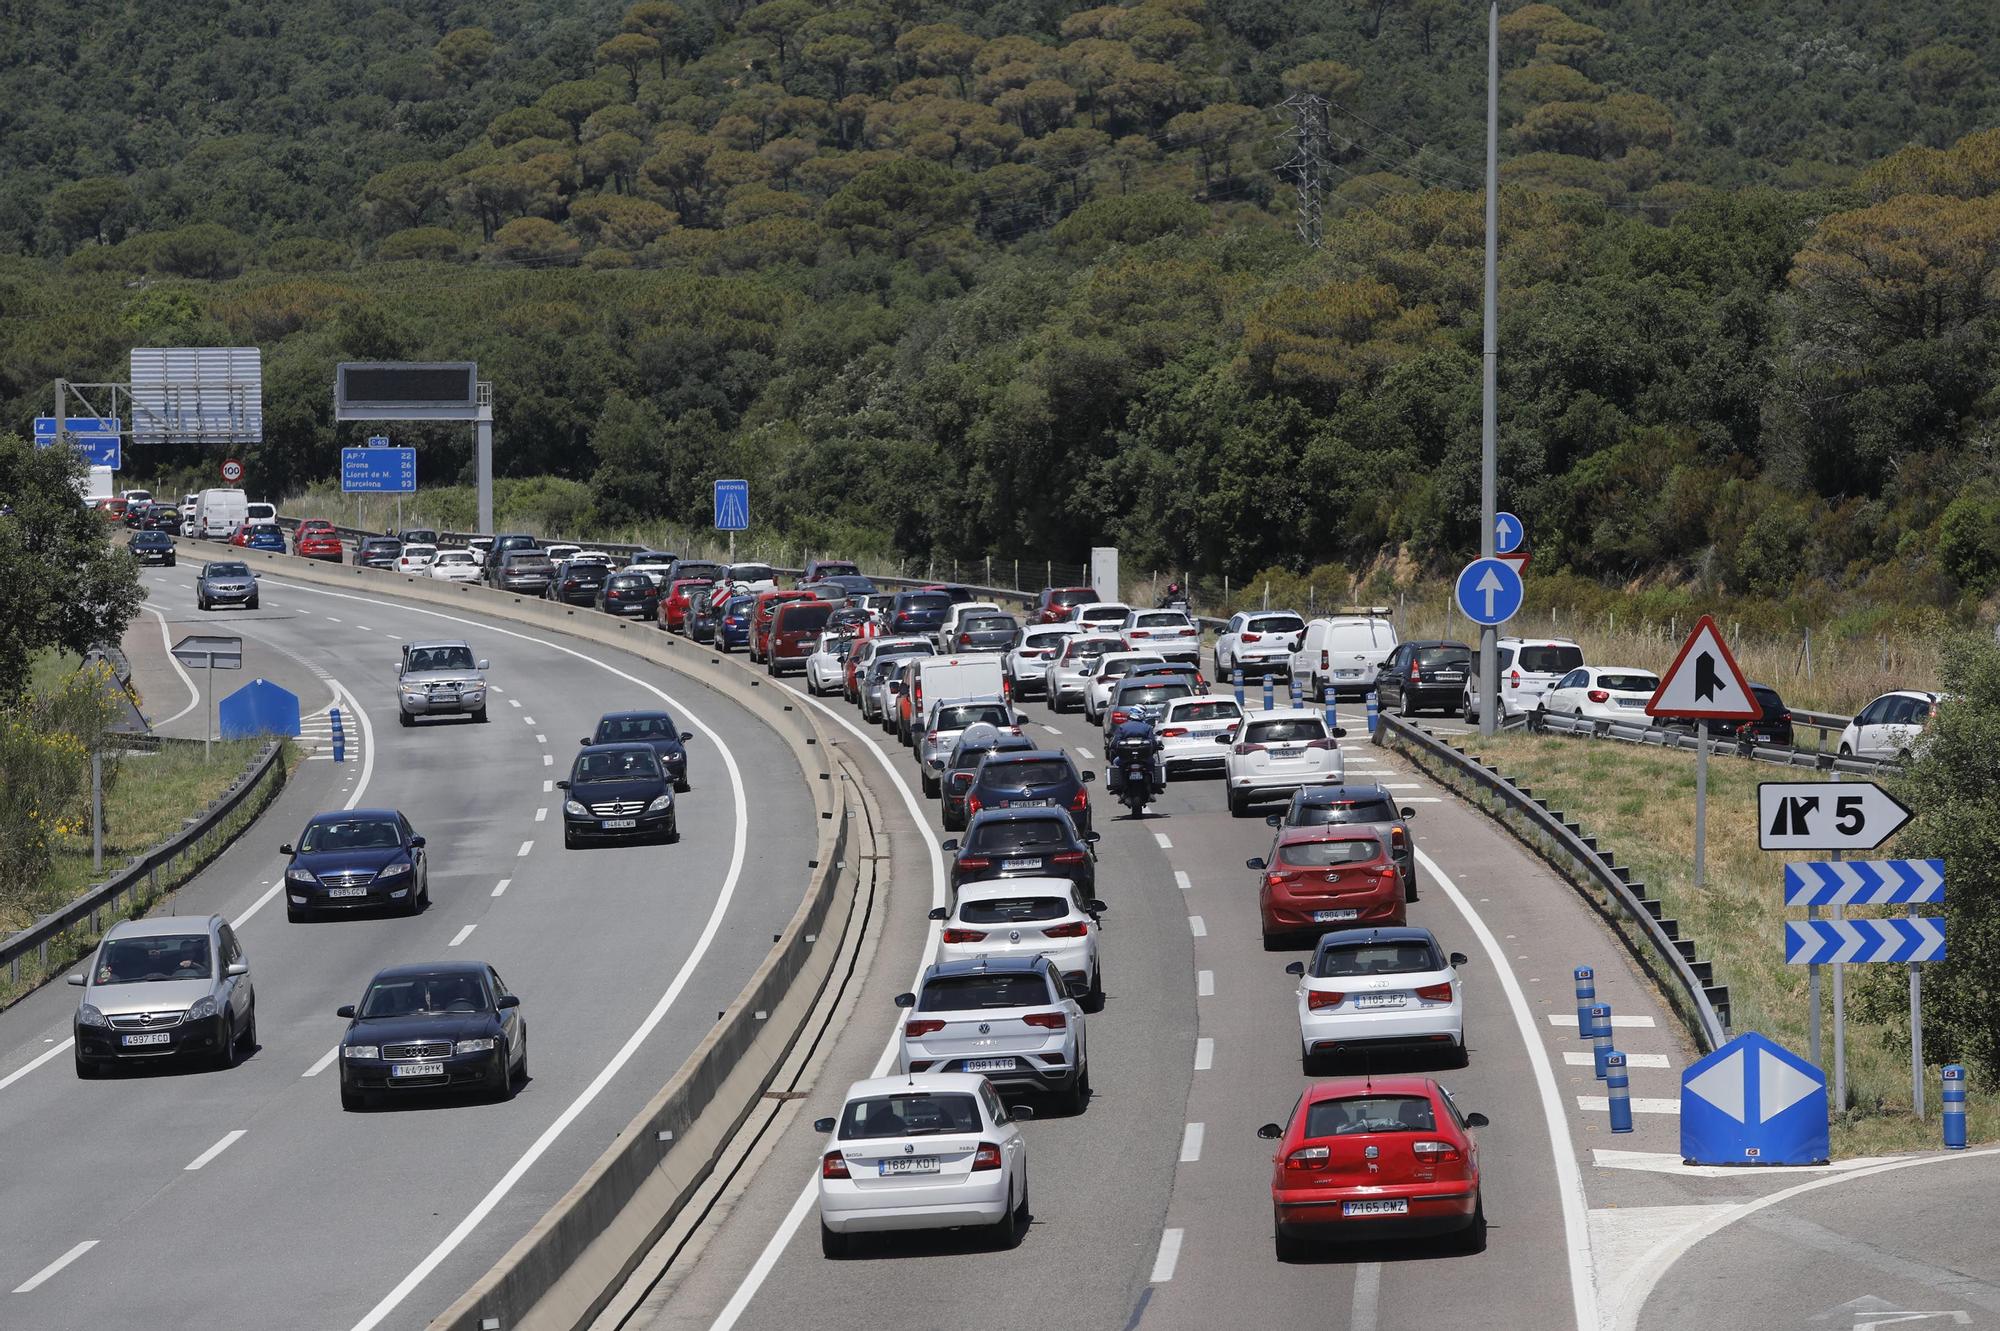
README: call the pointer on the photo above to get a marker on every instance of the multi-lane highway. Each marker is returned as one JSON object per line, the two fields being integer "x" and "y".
{"x": 184, "y": 1198}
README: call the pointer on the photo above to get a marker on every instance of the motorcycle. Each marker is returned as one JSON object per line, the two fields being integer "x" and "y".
{"x": 1131, "y": 758}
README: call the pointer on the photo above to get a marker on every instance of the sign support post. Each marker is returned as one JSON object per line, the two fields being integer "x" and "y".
{"x": 1703, "y": 684}
{"x": 1700, "y": 802}
{"x": 1489, "y": 380}
{"x": 1839, "y": 1006}
{"x": 1916, "y": 1037}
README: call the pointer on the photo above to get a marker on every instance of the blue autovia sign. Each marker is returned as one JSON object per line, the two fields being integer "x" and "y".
{"x": 378, "y": 470}
{"x": 732, "y": 505}
{"x": 1753, "y": 1102}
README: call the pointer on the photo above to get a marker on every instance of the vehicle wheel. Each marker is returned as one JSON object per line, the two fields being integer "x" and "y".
{"x": 1410, "y": 889}
{"x": 1403, "y": 707}
{"x": 521, "y": 1065}
{"x": 682, "y": 786}
{"x": 424, "y": 892}
{"x": 294, "y": 914}
{"x": 250, "y": 604}
{"x": 832, "y": 1246}
{"x": 1467, "y": 711}
{"x": 1274, "y": 942}
{"x": 406, "y": 719}
{"x": 1007, "y": 1229}
{"x": 414, "y": 905}
{"x": 248, "y": 1040}
{"x": 1238, "y": 806}
{"x": 673, "y": 831}
{"x": 480, "y": 716}
{"x": 1472, "y": 1239}
{"x": 201, "y": 602}
{"x": 1093, "y": 997}
{"x": 85, "y": 1069}
{"x": 1287, "y": 1247}
{"x": 1078, "y": 1094}
{"x": 351, "y": 1100}
{"x": 225, "y": 1053}
{"x": 931, "y": 786}
{"x": 1325, "y": 691}
{"x": 501, "y": 1084}
{"x": 1846, "y": 752}
{"x": 569, "y": 839}
{"x": 953, "y": 823}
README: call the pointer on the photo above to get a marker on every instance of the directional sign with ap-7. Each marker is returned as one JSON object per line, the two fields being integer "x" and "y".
{"x": 1822, "y": 815}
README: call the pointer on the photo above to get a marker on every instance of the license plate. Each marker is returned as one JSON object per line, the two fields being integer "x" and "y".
{"x": 910, "y": 1164}
{"x": 1031, "y": 863}
{"x": 347, "y": 891}
{"x": 1385, "y": 1206}
{"x": 443, "y": 699}
{"x": 613, "y": 824}
{"x": 989, "y": 1064}
{"x": 1286, "y": 753}
{"x": 1028, "y": 804}
{"x": 1631, "y": 702}
{"x": 1347, "y": 674}
{"x": 1332, "y": 916}
{"x": 1378, "y": 1000}
{"x": 416, "y": 1070}
{"x": 156, "y": 1037}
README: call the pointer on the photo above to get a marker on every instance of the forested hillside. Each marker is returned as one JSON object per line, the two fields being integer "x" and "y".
{"x": 1025, "y": 276}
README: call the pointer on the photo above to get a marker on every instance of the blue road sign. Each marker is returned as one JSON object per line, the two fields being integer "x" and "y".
{"x": 1901, "y": 938}
{"x": 1753, "y": 1102}
{"x": 378, "y": 471}
{"x": 96, "y": 437}
{"x": 378, "y": 441}
{"x": 1508, "y": 533}
{"x": 1489, "y": 591}
{"x": 732, "y": 505}
{"x": 258, "y": 708}
{"x": 1864, "y": 882}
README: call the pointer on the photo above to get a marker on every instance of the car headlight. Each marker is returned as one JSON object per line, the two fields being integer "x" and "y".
{"x": 575, "y": 809}
{"x": 90, "y": 1016}
{"x": 472, "y": 691}
{"x": 473, "y": 1046}
{"x": 201, "y": 1008}
{"x": 299, "y": 876}
{"x": 413, "y": 690}
{"x": 362, "y": 1051}
{"x": 396, "y": 870}
{"x": 661, "y": 805}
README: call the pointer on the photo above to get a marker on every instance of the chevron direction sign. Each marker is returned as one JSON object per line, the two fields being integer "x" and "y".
{"x": 1821, "y": 942}
{"x": 1864, "y": 883}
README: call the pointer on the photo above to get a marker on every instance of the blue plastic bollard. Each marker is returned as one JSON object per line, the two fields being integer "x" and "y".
{"x": 1298, "y": 691}
{"x": 1618, "y": 1087}
{"x": 1332, "y": 715}
{"x": 1374, "y": 712}
{"x": 339, "y": 735}
{"x": 1600, "y": 1030}
{"x": 1269, "y": 700}
{"x": 1236, "y": 679}
{"x": 1954, "y": 1107}
{"x": 1586, "y": 995}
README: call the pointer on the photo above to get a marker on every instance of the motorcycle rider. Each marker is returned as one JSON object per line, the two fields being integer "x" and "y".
{"x": 1133, "y": 754}
{"x": 1175, "y": 597}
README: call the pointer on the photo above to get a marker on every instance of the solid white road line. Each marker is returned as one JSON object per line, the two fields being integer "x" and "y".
{"x": 320, "y": 1065}
{"x": 34, "y": 1063}
{"x": 1576, "y": 1060}
{"x": 1568, "y": 1175}
{"x": 1198, "y": 925}
{"x": 1641, "y": 1104}
{"x": 1191, "y": 1142}
{"x": 526, "y": 846}
{"x": 229, "y": 1139}
{"x": 461, "y": 935}
{"x": 1204, "y": 984}
{"x": 1567, "y": 1020}
{"x": 1161, "y": 837}
{"x": 1367, "y": 1296}
{"x": 28, "y": 1286}
{"x": 1182, "y": 881}
{"x": 1168, "y": 1258}
{"x": 1204, "y": 1054}
{"x": 194, "y": 694}
{"x": 500, "y": 888}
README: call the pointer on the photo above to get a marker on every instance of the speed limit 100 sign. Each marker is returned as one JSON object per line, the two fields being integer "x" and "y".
{"x": 232, "y": 471}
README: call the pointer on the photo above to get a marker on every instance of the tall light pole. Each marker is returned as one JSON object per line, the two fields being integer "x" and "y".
{"x": 1489, "y": 637}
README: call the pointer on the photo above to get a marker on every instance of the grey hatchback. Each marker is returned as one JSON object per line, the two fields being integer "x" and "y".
{"x": 161, "y": 988}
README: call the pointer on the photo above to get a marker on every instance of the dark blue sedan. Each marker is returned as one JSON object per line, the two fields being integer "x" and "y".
{"x": 266, "y": 536}
{"x": 354, "y": 859}
{"x": 733, "y": 629}
{"x": 432, "y": 1026}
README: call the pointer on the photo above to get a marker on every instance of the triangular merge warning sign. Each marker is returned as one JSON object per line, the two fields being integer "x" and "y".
{"x": 1704, "y": 681}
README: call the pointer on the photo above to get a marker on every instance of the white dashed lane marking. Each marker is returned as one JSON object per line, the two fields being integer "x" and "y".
{"x": 320, "y": 1064}
{"x": 1198, "y": 925}
{"x": 1168, "y": 1258}
{"x": 1161, "y": 837}
{"x": 1204, "y": 984}
{"x": 526, "y": 846}
{"x": 229, "y": 1139}
{"x": 1182, "y": 881}
{"x": 541, "y": 815}
{"x": 1204, "y": 1054}
{"x": 1191, "y": 1142}
{"x": 462, "y": 935}
{"x": 500, "y": 888}
{"x": 28, "y": 1286}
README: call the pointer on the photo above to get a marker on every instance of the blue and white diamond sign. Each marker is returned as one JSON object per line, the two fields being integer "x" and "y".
{"x": 1753, "y": 1102}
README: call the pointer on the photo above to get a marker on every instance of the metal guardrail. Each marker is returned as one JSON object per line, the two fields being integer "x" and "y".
{"x": 1672, "y": 737}
{"x": 139, "y": 881}
{"x": 1653, "y": 938}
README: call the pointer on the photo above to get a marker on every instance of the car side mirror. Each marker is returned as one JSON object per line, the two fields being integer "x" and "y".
{"x": 1089, "y": 777}
{"x": 1476, "y": 1120}
{"x": 584, "y": 741}
{"x": 822, "y": 1125}
{"x": 286, "y": 849}
{"x": 1270, "y": 1132}
{"x": 1274, "y": 819}
{"x": 76, "y": 980}
{"x": 237, "y": 968}
{"x": 906, "y": 1000}
{"x": 1254, "y": 862}
{"x": 1096, "y": 907}
{"x": 400, "y": 667}
{"x": 1340, "y": 732}
{"x": 1460, "y": 959}
{"x": 563, "y": 784}
{"x": 686, "y": 735}
{"x": 1407, "y": 812}
{"x": 950, "y": 843}
{"x": 482, "y": 663}
{"x": 1295, "y": 968}
{"x": 417, "y": 842}
{"x": 510, "y": 1000}
{"x": 1225, "y": 739}
{"x": 1021, "y": 1113}
{"x": 1092, "y": 838}
{"x": 345, "y": 1010}
{"x": 939, "y": 913}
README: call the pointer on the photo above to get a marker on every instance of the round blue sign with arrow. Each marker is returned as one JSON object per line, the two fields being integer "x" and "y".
{"x": 1508, "y": 533}
{"x": 1489, "y": 591}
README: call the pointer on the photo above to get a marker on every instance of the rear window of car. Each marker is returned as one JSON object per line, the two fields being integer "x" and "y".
{"x": 1070, "y": 596}
{"x": 1547, "y": 660}
{"x": 1374, "y": 1113}
{"x": 990, "y": 624}
{"x": 1001, "y": 835}
{"x": 1325, "y": 854}
{"x": 1361, "y": 635}
{"x": 916, "y": 1114}
{"x": 1206, "y": 711}
{"x": 1629, "y": 683}
{"x": 925, "y": 600}
{"x": 1127, "y": 667}
{"x": 1769, "y": 700}
{"x": 959, "y": 716}
{"x": 810, "y": 616}
{"x": 1278, "y": 732}
{"x": 1437, "y": 656}
{"x": 1103, "y": 612}
{"x": 1150, "y": 694}
{"x": 1028, "y": 772}
{"x": 1094, "y": 647}
{"x": 1275, "y": 624}
{"x": 1399, "y": 957}
{"x": 969, "y": 993}
{"x": 1347, "y": 811}
{"x": 1162, "y": 619}
{"x": 1012, "y": 910}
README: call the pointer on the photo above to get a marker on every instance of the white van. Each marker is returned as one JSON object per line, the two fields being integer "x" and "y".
{"x": 1342, "y": 654}
{"x": 216, "y": 513}
{"x": 977, "y": 675}
{"x": 260, "y": 512}
{"x": 1529, "y": 668}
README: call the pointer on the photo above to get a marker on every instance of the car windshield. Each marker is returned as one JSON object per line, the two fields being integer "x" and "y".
{"x": 1628, "y": 683}
{"x": 1547, "y": 660}
{"x": 1768, "y": 700}
{"x": 1012, "y": 910}
{"x": 1401, "y": 956}
{"x": 1373, "y": 1113}
{"x": 1316, "y": 814}
{"x": 960, "y": 715}
{"x": 351, "y": 834}
{"x": 1275, "y": 624}
{"x": 1072, "y": 596}
{"x": 1322, "y": 854}
{"x": 926, "y": 601}
{"x": 1149, "y": 694}
{"x": 990, "y": 624}
{"x": 411, "y": 995}
{"x": 974, "y": 993}
{"x": 1004, "y": 836}
{"x": 1028, "y": 772}
{"x": 1437, "y": 656}
{"x": 228, "y": 571}
{"x": 1206, "y": 711}
{"x": 1278, "y": 732}
{"x": 167, "y": 957}
{"x": 658, "y": 725}
{"x": 440, "y": 658}
{"x": 639, "y": 580}
{"x": 915, "y": 1114}
{"x": 621, "y": 765}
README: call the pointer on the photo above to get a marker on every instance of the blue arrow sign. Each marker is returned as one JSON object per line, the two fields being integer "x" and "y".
{"x": 378, "y": 470}
{"x": 1903, "y": 938}
{"x": 1753, "y": 1102}
{"x": 1489, "y": 591}
{"x": 1508, "y": 533}
{"x": 732, "y": 505}
{"x": 1864, "y": 882}
{"x": 95, "y": 437}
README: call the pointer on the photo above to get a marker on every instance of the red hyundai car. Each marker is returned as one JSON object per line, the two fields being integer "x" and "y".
{"x": 1375, "y": 1157}
{"x": 1324, "y": 877}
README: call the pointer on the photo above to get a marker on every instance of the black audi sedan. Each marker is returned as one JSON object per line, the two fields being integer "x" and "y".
{"x": 432, "y": 1026}
{"x": 617, "y": 792}
{"x": 353, "y": 859}
{"x": 153, "y": 547}
{"x": 669, "y": 741}
{"x": 1039, "y": 778}
{"x": 1023, "y": 843}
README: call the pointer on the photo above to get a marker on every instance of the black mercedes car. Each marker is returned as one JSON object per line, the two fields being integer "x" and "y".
{"x": 1039, "y": 778}
{"x": 669, "y": 741}
{"x": 1023, "y": 843}
{"x": 1321, "y": 806}
{"x": 429, "y": 1026}
{"x": 356, "y": 858}
{"x": 617, "y": 792}
{"x": 153, "y": 547}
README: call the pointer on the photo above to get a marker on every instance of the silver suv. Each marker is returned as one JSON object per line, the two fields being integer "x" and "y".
{"x": 440, "y": 678}
{"x": 166, "y": 987}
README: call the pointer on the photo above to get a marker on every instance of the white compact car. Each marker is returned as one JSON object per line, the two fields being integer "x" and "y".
{"x": 656, "y": 572}
{"x": 1025, "y": 665}
{"x": 1009, "y": 1019}
{"x": 1390, "y": 989}
{"x": 826, "y": 668}
{"x": 1259, "y": 642}
{"x": 1169, "y": 632}
{"x": 1110, "y": 668}
{"x": 1890, "y": 726}
{"x": 1014, "y": 917}
{"x": 416, "y": 559}
{"x": 934, "y": 1151}
{"x": 1274, "y": 753}
{"x": 560, "y": 550}
{"x": 1529, "y": 667}
{"x": 1101, "y": 616}
{"x": 454, "y": 566}
{"x": 1188, "y": 731}
{"x": 1069, "y": 673}
{"x": 1603, "y": 693}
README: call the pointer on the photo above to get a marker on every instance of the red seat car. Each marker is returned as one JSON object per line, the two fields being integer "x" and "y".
{"x": 1371, "y": 1158}
{"x": 1324, "y": 877}
{"x": 1055, "y": 603}
{"x": 674, "y": 608}
{"x": 315, "y": 538}
{"x": 760, "y": 619}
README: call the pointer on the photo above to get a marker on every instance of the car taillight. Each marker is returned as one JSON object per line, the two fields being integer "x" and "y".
{"x": 930, "y": 737}
{"x": 1120, "y": 718}
{"x": 964, "y": 936}
{"x": 1276, "y": 878}
{"x": 1435, "y": 993}
{"x": 1437, "y": 1152}
{"x": 1598, "y": 695}
{"x": 1308, "y": 1157}
{"x": 972, "y": 804}
{"x": 1514, "y": 679}
{"x": 1076, "y": 930}
{"x": 833, "y": 1165}
{"x": 1048, "y": 1021}
{"x": 902, "y": 616}
{"x": 1140, "y": 633}
{"x": 1396, "y": 838}
{"x": 1173, "y": 732}
{"x": 1324, "y": 659}
{"x": 1319, "y": 998}
{"x": 1322, "y": 744}
{"x": 1253, "y": 637}
{"x": 921, "y": 1026}
{"x": 1081, "y": 800}
{"x": 1242, "y": 749}
{"x": 974, "y": 861}
{"x": 1067, "y": 857}
{"x": 1415, "y": 674}
{"x": 986, "y": 1157}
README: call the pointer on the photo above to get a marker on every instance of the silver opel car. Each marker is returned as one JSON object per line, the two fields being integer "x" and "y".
{"x": 174, "y": 986}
